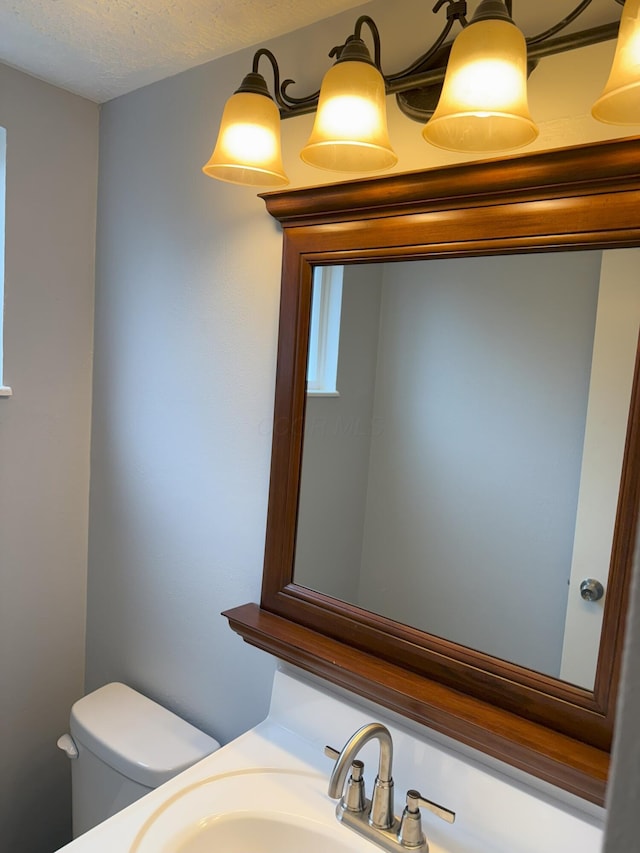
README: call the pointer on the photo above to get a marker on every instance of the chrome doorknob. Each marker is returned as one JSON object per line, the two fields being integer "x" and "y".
{"x": 591, "y": 590}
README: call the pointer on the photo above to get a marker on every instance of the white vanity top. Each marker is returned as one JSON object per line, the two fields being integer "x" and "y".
{"x": 496, "y": 812}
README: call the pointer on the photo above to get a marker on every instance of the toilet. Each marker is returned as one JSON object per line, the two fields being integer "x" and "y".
{"x": 123, "y": 745}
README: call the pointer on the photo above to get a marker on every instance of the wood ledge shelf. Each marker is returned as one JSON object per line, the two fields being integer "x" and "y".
{"x": 557, "y": 759}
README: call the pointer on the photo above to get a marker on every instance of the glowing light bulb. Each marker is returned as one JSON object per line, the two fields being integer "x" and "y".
{"x": 486, "y": 85}
{"x": 350, "y": 131}
{"x": 247, "y": 150}
{"x": 483, "y": 105}
{"x": 250, "y": 143}
{"x": 349, "y": 117}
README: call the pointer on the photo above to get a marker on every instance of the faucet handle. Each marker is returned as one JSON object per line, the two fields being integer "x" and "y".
{"x": 410, "y": 834}
{"x": 353, "y": 797}
{"x": 415, "y": 800}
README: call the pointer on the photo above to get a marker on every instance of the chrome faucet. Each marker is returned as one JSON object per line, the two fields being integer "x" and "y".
{"x": 374, "y": 819}
{"x": 381, "y": 812}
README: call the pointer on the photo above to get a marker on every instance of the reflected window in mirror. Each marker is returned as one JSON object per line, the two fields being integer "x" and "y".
{"x": 324, "y": 332}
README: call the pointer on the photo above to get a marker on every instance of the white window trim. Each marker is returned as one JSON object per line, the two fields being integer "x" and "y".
{"x": 5, "y": 391}
{"x": 324, "y": 334}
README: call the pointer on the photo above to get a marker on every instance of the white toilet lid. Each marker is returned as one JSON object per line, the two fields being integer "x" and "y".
{"x": 137, "y": 737}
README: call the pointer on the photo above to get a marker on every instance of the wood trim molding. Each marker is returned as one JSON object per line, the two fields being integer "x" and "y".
{"x": 558, "y": 759}
{"x": 586, "y": 197}
{"x": 584, "y": 170}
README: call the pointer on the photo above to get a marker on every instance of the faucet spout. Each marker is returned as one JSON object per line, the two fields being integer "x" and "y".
{"x": 381, "y": 815}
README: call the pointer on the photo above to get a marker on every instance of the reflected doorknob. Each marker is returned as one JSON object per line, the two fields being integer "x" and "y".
{"x": 591, "y": 590}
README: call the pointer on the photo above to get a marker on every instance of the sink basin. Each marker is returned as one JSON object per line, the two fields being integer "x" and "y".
{"x": 257, "y": 811}
{"x": 242, "y": 833}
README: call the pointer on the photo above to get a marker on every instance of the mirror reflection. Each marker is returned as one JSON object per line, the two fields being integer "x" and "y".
{"x": 464, "y": 438}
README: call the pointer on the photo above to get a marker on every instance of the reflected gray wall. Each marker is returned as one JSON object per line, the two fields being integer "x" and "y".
{"x": 455, "y": 513}
{"x": 481, "y": 388}
{"x": 337, "y": 446}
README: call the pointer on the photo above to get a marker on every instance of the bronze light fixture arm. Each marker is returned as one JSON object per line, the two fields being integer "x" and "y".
{"x": 255, "y": 83}
{"x": 595, "y": 35}
{"x": 456, "y": 11}
{"x": 357, "y": 36}
{"x": 547, "y": 34}
{"x": 580, "y": 8}
{"x": 428, "y": 70}
{"x": 290, "y": 105}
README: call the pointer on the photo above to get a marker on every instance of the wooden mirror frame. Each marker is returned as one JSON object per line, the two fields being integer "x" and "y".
{"x": 580, "y": 198}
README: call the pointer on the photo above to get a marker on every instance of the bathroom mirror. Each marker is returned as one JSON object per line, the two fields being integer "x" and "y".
{"x": 576, "y": 207}
{"x": 465, "y": 427}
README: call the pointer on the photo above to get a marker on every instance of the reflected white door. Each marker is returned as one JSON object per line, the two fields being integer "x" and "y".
{"x": 614, "y": 355}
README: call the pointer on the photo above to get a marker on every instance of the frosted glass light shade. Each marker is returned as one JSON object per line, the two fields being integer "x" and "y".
{"x": 350, "y": 129}
{"x": 248, "y": 147}
{"x": 483, "y": 105}
{"x": 620, "y": 100}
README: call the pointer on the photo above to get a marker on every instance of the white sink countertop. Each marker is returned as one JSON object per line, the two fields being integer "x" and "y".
{"x": 276, "y": 776}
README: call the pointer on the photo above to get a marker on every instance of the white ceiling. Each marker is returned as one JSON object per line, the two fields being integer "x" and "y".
{"x": 104, "y": 48}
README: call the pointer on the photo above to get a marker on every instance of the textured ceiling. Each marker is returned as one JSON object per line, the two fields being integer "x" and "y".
{"x": 104, "y": 48}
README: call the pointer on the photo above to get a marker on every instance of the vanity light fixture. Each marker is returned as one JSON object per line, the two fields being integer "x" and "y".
{"x": 620, "y": 101}
{"x": 350, "y": 129}
{"x": 248, "y": 147}
{"x": 471, "y": 92}
{"x": 483, "y": 105}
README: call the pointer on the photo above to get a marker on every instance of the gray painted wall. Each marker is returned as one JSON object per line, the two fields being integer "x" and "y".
{"x": 52, "y": 150}
{"x": 186, "y": 310}
{"x": 186, "y": 328}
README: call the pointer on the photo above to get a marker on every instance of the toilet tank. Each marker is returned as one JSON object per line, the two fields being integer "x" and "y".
{"x": 126, "y": 746}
